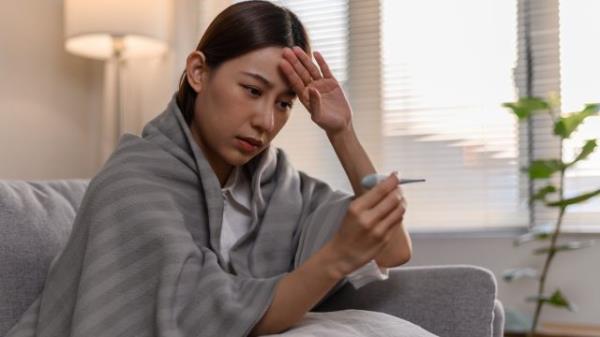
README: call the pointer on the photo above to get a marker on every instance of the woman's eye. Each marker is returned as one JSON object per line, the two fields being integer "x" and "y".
{"x": 257, "y": 92}
{"x": 286, "y": 105}
{"x": 253, "y": 91}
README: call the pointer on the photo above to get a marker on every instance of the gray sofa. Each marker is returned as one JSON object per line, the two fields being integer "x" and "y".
{"x": 36, "y": 218}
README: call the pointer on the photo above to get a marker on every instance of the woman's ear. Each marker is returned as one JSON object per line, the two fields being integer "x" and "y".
{"x": 196, "y": 70}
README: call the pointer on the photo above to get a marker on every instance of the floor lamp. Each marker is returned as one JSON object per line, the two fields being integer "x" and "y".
{"x": 116, "y": 30}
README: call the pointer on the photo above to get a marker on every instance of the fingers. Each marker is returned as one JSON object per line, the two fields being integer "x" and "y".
{"x": 393, "y": 201}
{"x": 305, "y": 67}
{"x": 388, "y": 223}
{"x": 307, "y": 62}
{"x": 295, "y": 81}
{"x": 386, "y": 215}
{"x": 323, "y": 65}
{"x": 384, "y": 203}
{"x": 291, "y": 56}
{"x": 380, "y": 191}
{"x": 394, "y": 216}
{"x": 391, "y": 204}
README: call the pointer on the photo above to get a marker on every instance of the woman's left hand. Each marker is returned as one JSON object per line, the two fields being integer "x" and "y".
{"x": 318, "y": 90}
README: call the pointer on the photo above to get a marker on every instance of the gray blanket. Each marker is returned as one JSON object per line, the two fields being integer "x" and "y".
{"x": 142, "y": 258}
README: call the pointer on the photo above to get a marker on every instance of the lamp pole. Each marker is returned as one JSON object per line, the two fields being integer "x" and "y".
{"x": 118, "y": 51}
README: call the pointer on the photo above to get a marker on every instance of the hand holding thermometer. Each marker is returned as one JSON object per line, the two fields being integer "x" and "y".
{"x": 373, "y": 179}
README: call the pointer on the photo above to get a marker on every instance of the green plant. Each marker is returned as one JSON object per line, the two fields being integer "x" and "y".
{"x": 551, "y": 196}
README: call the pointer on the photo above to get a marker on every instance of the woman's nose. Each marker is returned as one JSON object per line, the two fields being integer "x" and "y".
{"x": 264, "y": 118}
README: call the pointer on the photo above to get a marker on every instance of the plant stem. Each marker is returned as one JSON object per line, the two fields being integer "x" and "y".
{"x": 550, "y": 256}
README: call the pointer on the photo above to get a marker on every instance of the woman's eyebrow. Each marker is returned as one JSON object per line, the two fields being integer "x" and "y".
{"x": 266, "y": 82}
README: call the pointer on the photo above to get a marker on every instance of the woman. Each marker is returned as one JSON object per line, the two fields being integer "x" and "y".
{"x": 199, "y": 227}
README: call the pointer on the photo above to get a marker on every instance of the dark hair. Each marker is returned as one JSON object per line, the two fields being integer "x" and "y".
{"x": 239, "y": 29}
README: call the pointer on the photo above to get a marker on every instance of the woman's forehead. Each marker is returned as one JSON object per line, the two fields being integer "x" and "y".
{"x": 261, "y": 65}
{"x": 267, "y": 82}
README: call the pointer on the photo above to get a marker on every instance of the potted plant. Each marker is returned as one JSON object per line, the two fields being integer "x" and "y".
{"x": 551, "y": 195}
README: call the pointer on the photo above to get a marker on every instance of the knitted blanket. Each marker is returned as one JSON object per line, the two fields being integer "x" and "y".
{"x": 143, "y": 255}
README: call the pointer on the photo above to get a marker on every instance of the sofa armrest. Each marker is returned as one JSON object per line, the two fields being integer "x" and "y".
{"x": 456, "y": 300}
{"x": 498, "y": 325}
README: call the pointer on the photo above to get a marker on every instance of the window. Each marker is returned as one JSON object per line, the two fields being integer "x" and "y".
{"x": 580, "y": 84}
{"x": 426, "y": 80}
{"x": 447, "y": 69}
{"x": 561, "y": 52}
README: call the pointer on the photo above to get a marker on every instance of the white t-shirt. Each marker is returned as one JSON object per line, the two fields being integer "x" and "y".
{"x": 237, "y": 216}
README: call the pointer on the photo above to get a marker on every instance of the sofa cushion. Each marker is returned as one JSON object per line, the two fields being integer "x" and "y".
{"x": 35, "y": 222}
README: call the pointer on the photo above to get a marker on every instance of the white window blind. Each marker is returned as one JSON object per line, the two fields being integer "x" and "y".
{"x": 447, "y": 69}
{"x": 434, "y": 108}
{"x": 580, "y": 84}
{"x": 562, "y": 58}
{"x": 427, "y": 98}
{"x": 426, "y": 80}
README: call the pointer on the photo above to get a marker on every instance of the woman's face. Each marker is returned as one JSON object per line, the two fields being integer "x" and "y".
{"x": 240, "y": 107}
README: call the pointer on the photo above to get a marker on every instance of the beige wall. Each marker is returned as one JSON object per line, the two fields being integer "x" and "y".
{"x": 49, "y": 100}
{"x": 576, "y": 273}
{"x": 57, "y": 109}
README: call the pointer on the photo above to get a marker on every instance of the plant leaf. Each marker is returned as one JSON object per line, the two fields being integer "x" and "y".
{"x": 557, "y": 299}
{"x": 586, "y": 150}
{"x": 525, "y": 106}
{"x": 517, "y": 273}
{"x": 573, "y": 245}
{"x": 542, "y": 192}
{"x": 565, "y": 126}
{"x": 544, "y": 168}
{"x": 573, "y": 200}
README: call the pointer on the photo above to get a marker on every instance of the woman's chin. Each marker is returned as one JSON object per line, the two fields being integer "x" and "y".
{"x": 238, "y": 157}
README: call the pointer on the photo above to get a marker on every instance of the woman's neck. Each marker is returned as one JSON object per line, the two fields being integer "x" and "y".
{"x": 222, "y": 173}
{"x": 221, "y": 168}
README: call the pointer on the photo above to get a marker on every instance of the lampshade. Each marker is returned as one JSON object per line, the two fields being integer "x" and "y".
{"x": 91, "y": 25}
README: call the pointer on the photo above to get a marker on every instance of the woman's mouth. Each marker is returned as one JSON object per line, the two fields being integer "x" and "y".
{"x": 247, "y": 145}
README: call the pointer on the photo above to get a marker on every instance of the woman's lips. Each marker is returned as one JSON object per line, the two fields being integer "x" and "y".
{"x": 246, "y": 146}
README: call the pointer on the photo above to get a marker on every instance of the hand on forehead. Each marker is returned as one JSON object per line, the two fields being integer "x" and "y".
{"x": 300, "y": 70}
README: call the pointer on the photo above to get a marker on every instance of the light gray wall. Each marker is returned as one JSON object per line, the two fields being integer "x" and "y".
{"x": 576, "y": 273}
{"x": 49, "y": 99}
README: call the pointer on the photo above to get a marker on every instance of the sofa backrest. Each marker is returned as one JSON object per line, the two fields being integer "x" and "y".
{"x": 35, "y": 222}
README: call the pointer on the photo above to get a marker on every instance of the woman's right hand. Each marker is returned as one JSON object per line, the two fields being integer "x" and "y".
{"x": 368, "y": 225}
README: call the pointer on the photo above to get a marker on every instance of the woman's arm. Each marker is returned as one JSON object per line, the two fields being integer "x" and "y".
{"x": 357, "y": 164}
{"x": 300, "y": 290}
{"x": 353, "y": 157}
{"x": 361, "y": 237}
{"x": 321, "y": 94}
